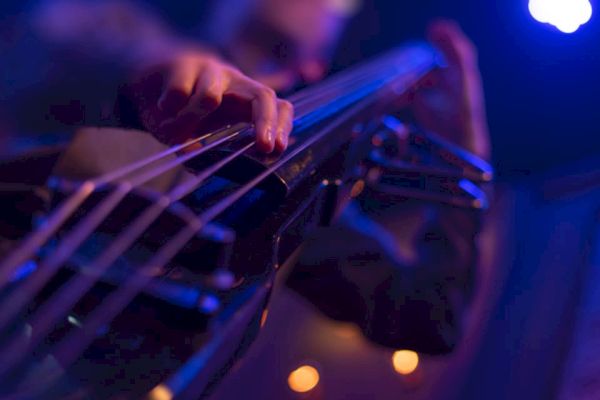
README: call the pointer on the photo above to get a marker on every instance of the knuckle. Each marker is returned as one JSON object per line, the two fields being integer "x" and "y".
{"x": 210, "y": 61}
{"x": 286, "y": 106}
{"x": 231, "y": 71}
{"x": 232, "y": 74}
{"x": 266, "y": 93}
{"x": 185, "y": 61}
{"x": 213, "y": 94}
{"x": 214, "y": 66}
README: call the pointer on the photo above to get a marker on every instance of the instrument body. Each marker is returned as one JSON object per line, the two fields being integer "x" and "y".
{"x": 164, "y": 289}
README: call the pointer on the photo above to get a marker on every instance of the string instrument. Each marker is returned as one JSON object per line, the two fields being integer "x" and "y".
{"x": 112, "y": 289}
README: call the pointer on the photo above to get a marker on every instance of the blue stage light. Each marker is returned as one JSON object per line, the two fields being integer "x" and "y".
{"x": 566, "y": 15}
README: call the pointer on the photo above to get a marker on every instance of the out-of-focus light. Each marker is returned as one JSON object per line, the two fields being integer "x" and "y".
{"x": 566, "y": 15}
{"x": 345, "y": 7}
{"x": 263, "y": 317}
{"x": 303, "y": 379}
{"x": 74, "y": 321}
{"x": 405, "y": 361}
{"x": 347, "y": 331}
{"x": 357, "y": 188}
{"x": 161, "y": 392}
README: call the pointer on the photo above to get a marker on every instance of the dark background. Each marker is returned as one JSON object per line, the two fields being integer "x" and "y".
{"x": 541, "y": 84}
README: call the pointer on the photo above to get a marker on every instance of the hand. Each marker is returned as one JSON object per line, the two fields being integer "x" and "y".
{"x": 192, "y": 90}
{"x": 451, "y": 101}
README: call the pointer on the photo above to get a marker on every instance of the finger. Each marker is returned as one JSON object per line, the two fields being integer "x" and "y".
{"x": 264, "y": 109}
{"x": 285, "y": 117}
{"x": 264, "y": 115}
{"x": 178, "y": 89}
{"x": 208, "y": 93}
{"x": 448, "y": 37}
{"x": 461, "y": 53}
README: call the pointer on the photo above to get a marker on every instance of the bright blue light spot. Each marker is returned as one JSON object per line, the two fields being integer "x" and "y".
{"x": 24, "y": 271}
{"x": 566, "y": 15}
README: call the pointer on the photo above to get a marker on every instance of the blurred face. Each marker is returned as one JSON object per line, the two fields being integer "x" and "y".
{"x": 286, "y": 42}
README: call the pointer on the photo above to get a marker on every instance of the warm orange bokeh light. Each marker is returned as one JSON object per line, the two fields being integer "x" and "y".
{"x": 263, "y": 317}
{"x": 303, "y": 379}
{"x": 405, "y": 362}
{"x": 161, "y": 392}
{"x": 357, "y": 188}
{"x": 347, "y": 331}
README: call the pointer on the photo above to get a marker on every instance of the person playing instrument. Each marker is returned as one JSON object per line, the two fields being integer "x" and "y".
{"x": 270, "y": 41}
{"x": 409, "y": 273}
{"x": 407, "y": 279}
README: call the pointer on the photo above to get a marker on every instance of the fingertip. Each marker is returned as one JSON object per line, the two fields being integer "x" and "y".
{"x": 285, "y": 123}
{"x": 281, "y": 142}
{"x": 265, "y": 140}
{"x": 270, "y": 137}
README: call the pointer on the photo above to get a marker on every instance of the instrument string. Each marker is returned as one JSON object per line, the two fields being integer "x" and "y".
{"x": 70, "y": 348}
{"x": 41, "y": 237}
{"x": 185, "y": 375}
{"x": 52, "y": 312}
{"x": 56, "y": 308}
{"x": 341, "y": 79}
{"x": 324, "y": 92}
{"x": 201, "y": 142}
{"x": 122, "y": 296}
{"x": 30, "y": 246}
{"x": 51, "y": 264}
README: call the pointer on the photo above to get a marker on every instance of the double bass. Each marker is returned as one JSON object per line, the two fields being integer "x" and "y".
{"x": 113, "y": 288}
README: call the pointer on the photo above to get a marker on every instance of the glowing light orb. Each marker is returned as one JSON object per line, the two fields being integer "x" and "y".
{"x": 566, "y": 15}
{"x": 347, "y": 331}
{"x": 345, "y": 7}
{"x": 161, "y": 392}
{"x": 303, "y": 379}
{"x": 405, "y": 361}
